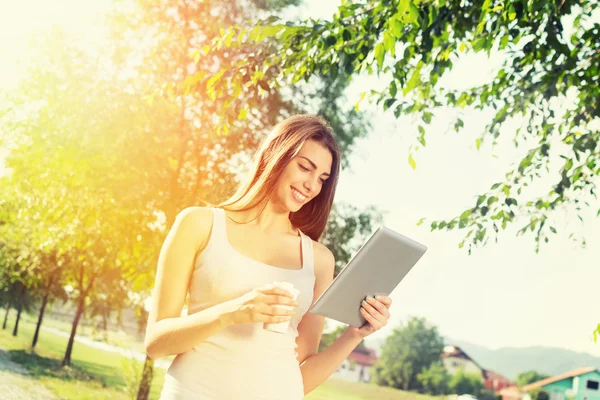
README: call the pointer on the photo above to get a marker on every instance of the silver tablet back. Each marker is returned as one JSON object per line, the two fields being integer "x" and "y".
{"x": 376, "y": 269}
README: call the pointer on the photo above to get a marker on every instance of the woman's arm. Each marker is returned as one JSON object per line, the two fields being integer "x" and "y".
{"x": 317, "y": 367}
{"x": 167, "y": 332}
{"x": 320, "y": 366}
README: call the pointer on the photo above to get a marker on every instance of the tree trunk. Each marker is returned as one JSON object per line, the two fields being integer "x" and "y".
{"x": 105, "y": 319}
{"x": 42, "y": 310}
{"x": 147, "y": 375}
{"x": 78, "y": 313}
{"x": 40, "y": 318}
{"x": 19, "y": 309}
{"x": 8, "y": 306}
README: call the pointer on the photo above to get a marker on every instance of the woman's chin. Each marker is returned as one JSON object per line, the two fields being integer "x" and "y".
{"x": 294, "y": 206}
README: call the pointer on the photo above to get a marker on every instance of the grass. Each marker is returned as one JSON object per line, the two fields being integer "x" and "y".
{"x": 335, "y": 389}
{"x": 96, "y": 374}
{"x": 111, "y": 337}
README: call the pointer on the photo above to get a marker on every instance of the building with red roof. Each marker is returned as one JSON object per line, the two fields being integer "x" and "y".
{"x": 455, "y": 359}
{"x": 357, "y": 367}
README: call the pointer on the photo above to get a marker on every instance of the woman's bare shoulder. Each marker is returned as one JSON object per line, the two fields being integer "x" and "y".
{"x": 324, "y": 260}
{"x": 195, "y": 223}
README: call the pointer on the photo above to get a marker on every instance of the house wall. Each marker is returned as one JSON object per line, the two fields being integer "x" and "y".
{"x": 352, "y": 372}
{"x": 496, "y": 384}
{"x": 577, "y": 386}
{"x": 581, "y": 389}
{"x": 557, "y": 389}
{"x": 453, "y": 364}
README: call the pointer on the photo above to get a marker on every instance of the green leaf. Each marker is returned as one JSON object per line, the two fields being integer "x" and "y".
{"x": 228, "y": 39}
{"x": 503, "y": 42}
{"x": 242, "y": 115}
{"x": 379, "y": 54}
{"x": 478, "y": 143}
{"x": 412, "y": 162}
{"x": 427, "y": 117}
{"x": 480, "y": 44}
{"x": 388, "y": 103}
{"x": 393, "y": 89}
{"x": 415, "y": 79}
{"x": 413, "y": 15}
{"x": 389, "y": 43}
{"x": 403, "y": 6}
{"x": 397, "y": 27}
{"x": 480, "y": 200}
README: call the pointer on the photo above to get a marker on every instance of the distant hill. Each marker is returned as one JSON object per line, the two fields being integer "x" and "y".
{"x": 510, "y": 361}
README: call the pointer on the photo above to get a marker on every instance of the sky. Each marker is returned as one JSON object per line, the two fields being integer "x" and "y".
{"x": 503, "y": 295}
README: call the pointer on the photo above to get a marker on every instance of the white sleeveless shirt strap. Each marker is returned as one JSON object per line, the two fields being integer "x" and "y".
{"x": 219, "y": 223}
{"x": 307, "y": 252}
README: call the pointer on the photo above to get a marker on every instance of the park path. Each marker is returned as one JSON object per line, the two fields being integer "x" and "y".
{"x": 16, "y": 384}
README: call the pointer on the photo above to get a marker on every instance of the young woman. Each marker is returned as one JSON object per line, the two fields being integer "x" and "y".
{"x": 227, "y": 257}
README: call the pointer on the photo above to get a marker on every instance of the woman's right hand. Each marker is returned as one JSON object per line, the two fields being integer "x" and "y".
{"x": 261, "y": 305}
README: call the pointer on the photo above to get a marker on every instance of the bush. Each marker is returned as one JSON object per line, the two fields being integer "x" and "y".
{"x": 462, "y": 383}
{"x": 434, "y": 380}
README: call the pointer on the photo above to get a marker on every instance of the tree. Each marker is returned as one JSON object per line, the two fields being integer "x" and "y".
{"x": 527, "y": 377}
{"x": 196, "y": 148}
{"x": 463, "y": 383}
{"x": 434, "y": 380}
{"x": 327, "y": 339}
{"x": 94, "y": 195}
{"x": 347, "y": 229}
{"x": 408, "y": 351}
{"x": 539, "y": 394}
{"x": 549, "y": 48}
{"x": 74, "y": 196}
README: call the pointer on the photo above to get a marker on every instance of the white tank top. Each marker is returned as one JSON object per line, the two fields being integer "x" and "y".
{"x": 242, "y": 361}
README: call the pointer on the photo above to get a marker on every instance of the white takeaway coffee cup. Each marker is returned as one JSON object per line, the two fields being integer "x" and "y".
{"x": 282, "y": 327}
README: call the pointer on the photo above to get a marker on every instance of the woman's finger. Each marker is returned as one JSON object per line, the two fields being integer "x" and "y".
{"x": 373, "y": 312}
{"x": 279, "y": 299}
{"x": 387, "y": 301}
{"x": 274, "y": 290}
{"x": 375, "y": 324}
{"x": 379, "y": 306}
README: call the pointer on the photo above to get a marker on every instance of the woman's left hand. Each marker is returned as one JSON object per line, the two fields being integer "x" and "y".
{"x": 376, "y": 312}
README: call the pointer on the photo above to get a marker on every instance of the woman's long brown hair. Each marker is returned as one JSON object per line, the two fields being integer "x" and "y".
{"x": 278, "y": 148}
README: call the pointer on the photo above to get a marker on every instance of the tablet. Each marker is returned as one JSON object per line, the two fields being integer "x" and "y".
{"x": 376, "y": 269}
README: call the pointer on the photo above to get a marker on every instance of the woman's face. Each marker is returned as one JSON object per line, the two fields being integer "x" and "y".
{"x": 304, "y": 176}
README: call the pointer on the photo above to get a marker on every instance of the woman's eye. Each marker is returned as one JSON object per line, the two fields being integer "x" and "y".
{"x": 303, "y": 168}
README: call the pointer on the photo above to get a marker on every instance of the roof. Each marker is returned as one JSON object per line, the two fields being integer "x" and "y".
{"x": 489, "y": 374}
{"x": 552, "y": 379}
{"x": 454, "y": 351}
{"x": 510, "y": 391}
{"x": 363, "y": 357}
